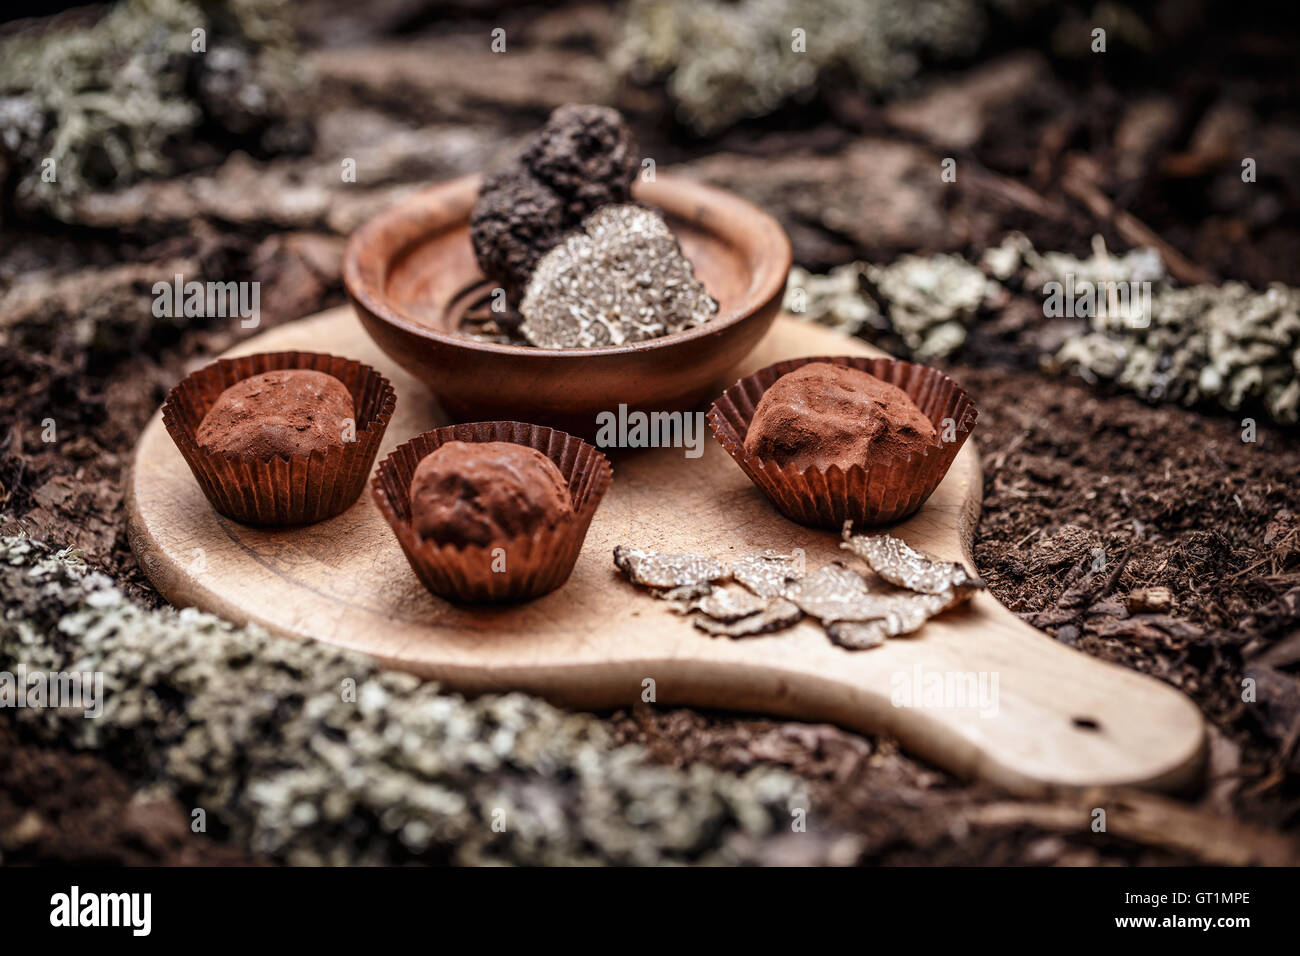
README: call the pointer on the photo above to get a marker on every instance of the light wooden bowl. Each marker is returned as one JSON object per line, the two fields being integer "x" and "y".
{"x": 412, "y": 278}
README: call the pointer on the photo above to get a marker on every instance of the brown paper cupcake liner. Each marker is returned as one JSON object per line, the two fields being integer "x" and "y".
{"x": 877, "y": 493}
{"x": 533, "y": 564}
{"x": 276, "y": 490}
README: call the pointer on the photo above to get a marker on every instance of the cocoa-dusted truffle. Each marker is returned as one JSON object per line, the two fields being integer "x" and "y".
{"x": 584, "y": 158}
{"x": 480, "y": 493}
{"x": 821, "y": 415}
{"x": 286, "y": 412}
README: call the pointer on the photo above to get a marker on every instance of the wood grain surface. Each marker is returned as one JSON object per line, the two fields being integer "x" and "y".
{"x": 1058, "y": 716}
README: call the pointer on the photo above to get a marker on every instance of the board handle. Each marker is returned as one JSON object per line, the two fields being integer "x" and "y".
{"x": 977, "y": 692}
{"x": 1051, "y": 716}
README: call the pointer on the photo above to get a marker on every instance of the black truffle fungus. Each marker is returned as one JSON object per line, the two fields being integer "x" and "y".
{"x": 583, "y": 158}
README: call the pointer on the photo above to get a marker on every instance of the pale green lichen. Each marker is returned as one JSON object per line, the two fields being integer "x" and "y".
{"x": 931, "y": 300}
{"x": 835, "y": 299}
{"x": 727, "y": 61}
{"x": 258, "y": 732}
{"x": 1228, "y": 345}
{"x": 928, "y": 301}
{"x": 100, "y": 106}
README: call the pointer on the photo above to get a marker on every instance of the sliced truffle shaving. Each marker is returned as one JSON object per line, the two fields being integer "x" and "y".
{"x": 769, "y": 573}
{"x": 685, "y": 595}
{"x": 650, "y": 569}
{"x": 905, "y": 613}
{"x": 856, "y": 635}
{"x": 838, "y": 593}
{"x": 899, "y": 563}
{"x": 776, "y": 594}
{"x": 728, "y": 604}
{"x": 779, "y": 614}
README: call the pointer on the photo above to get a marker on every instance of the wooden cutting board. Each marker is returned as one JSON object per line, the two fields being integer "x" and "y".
{"x": 1049, "y": 715}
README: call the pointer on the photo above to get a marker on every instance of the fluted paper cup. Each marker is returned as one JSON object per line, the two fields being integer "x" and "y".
{"x": 276, "y": 489}
{"x": 873, "y": 493}
{"x": 526, "y": 566}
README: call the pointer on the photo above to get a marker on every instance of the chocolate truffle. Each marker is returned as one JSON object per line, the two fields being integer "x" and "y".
{"x": 287, "y": 412}
{"x": 621, "y": 278}
{"x": 481, "y": 493}
{"x": 821, "y": 415}
{"x": 584, "y": 158}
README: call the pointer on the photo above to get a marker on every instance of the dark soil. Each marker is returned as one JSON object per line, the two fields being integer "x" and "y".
{"x": 75, "y": 808}
{"x": 1173, "y": 499}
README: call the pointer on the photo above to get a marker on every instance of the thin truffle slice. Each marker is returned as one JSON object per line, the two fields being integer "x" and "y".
{"x": 898, "y": 563}
{"x": 776, "y": 616}
{"x": 653, "y": 570}
{"x": 903, "y": 613}
{"x": 776, "y": 594}
{"x": 838, "y": 593}
{"x": 728, "y": 604}
{"x": 856, "y": 635}
{"x": 683, "y": 595}
{"x": 769, "y": 573}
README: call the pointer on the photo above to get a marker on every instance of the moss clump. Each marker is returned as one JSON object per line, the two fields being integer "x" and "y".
{"x": 726, "y": 61}
{"x": 311, "y": 755}
{"x": 1227, "y": 345}
{"x": 102, "y": 106}
{"x": 926, "y": 301}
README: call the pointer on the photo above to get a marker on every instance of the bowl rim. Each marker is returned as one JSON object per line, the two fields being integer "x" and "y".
{"x": 763, "y": 232}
